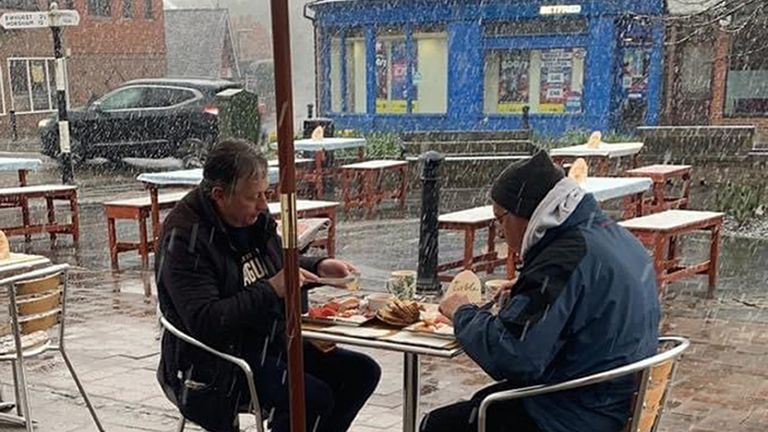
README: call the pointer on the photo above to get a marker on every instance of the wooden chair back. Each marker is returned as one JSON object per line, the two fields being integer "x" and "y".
{"x": 39, "y": 303}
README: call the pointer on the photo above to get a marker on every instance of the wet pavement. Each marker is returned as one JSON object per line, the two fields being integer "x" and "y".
{"x": 722, "y": 382}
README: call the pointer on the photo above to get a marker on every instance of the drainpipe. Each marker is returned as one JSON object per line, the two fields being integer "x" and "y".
{"x": 314, "y": 43}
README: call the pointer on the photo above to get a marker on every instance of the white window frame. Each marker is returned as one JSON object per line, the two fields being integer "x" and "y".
{"x": 2, "y": 94}
{"x": 51, "y": 91}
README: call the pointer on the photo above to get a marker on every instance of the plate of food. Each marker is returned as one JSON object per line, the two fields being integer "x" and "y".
{"x": 436, "y": 325}
{"x": 400, "y": 313}
{"x": 343, "y": 311}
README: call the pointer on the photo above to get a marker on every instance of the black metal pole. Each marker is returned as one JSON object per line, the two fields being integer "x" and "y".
{"x": 65, "y": 155}
{"x": 526, "y": 117}
{"x": 427, "y": 281}
{"x": 14, "y": 126}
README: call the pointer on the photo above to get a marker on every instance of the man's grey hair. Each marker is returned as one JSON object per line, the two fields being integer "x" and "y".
{"x": 231, "y": 161}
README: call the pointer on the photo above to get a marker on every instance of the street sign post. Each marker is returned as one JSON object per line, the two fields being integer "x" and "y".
{"x": 54, "y": 19}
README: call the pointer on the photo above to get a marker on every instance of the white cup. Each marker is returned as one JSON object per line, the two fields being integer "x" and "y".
{"x": 377, "y": 301}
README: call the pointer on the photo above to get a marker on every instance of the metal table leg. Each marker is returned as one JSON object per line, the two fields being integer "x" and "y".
{"x": 411, "y": 389}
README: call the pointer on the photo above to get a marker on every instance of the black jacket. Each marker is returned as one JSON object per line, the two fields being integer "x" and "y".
{"x": 201, "y": 291}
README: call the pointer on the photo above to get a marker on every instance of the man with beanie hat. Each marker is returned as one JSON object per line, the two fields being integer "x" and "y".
{"x": 584, "y": 302}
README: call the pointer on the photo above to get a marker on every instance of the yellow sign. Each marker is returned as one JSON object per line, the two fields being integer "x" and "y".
{"x": 512, "y": 107}
{"x": 552, "y": 108}
{"x": 384, "y": 106}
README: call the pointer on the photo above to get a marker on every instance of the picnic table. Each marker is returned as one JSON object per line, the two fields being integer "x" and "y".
{"x": 601, "y": 155}
{"x": 379, "y": 336}
{"x": 22, "y": 165}
{"x": 321, "y": 149}
{"x": 477, "y": 218}
{"x": 190, "y": 177}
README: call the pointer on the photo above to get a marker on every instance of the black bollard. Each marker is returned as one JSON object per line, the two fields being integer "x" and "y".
{"x": 427, "y": 281}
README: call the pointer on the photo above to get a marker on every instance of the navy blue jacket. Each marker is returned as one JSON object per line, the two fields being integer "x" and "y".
{"x": 585, "y": 301}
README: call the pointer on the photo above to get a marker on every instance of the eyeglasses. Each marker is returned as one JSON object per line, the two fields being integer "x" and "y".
{"x": 500, "y": 218}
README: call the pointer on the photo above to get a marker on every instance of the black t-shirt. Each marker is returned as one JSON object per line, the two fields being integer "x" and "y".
{"x": 254, "y": 265}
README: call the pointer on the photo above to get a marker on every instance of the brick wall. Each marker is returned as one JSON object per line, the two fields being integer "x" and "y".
{"x": 118, "y": 35}
{"x": 92, "y": 75}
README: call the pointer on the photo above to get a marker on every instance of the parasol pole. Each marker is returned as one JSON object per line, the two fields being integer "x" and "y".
{"x": 281, "y": 47}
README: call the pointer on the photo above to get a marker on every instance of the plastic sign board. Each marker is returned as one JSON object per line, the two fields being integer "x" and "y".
{"x": 560, "y": 10}
{"x": 64, "y": 18}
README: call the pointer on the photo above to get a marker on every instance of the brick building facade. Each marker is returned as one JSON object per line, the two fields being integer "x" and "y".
{"x": 716, "y": 73}
{"x": 116, "y": 40}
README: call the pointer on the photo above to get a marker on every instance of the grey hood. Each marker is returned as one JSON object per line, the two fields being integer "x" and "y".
{"x": 551, "y": 212}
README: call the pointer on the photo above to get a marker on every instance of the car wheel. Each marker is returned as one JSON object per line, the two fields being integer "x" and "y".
{"x": 192, "y": 152}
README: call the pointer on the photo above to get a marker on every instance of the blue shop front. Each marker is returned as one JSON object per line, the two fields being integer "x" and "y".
{"x": 407, "y": 65}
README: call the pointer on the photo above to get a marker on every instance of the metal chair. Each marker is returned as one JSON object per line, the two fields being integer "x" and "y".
{"x": 655, "y": 373}
{"x": 253, "y": 406}
{"x": 37, "y": 305}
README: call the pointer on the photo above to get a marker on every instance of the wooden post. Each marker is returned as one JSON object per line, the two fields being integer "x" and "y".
{"x": 281, "y": 43}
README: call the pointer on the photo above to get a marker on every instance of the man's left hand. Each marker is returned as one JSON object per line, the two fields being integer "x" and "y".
{"x": 333, "y": 268}
{"x": 451, "y": 303}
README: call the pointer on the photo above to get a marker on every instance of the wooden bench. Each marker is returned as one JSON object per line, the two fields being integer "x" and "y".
{"x": 368, "y": 177}
{"x": 138, "y": 209}
{"x": 470, "y": 221}
{"x": 20, "y": 196}
{"x": 660, "y": 231}
{"x": 663, "y": 175}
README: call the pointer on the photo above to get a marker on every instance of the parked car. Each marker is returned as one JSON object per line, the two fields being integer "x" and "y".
{"x": 151, "y": 118}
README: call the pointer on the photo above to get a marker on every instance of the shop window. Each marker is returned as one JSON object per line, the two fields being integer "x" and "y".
{"x": 354, "y": 92}
{"x": 430, "y": 76}
{"x": 427, "y": 86}
{"x": 747, "y": 84}
{"x": 548, "y": 81}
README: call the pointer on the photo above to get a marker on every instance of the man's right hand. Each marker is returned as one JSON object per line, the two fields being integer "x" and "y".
{"x": 278, "y": 281}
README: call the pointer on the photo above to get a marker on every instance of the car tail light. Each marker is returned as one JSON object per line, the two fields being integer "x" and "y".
{"x": 262, "y": 109}
{"x": 211, "y": 109}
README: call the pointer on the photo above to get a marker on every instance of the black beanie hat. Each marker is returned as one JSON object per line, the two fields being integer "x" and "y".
{"x": 524, "y": 184}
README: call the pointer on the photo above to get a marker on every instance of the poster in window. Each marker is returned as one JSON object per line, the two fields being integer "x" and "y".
{"x": 635, "y": 72}
{"x": 513, "y": 81}
{"x": 392, "y": 76}
{"x": 557, "y": 92}
{"x": 382, "y": 68}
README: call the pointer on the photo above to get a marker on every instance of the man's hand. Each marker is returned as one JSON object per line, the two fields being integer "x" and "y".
{"x": 278, "y": 281}
{"x": 451, "y": 303}
{"x": 503, "y": 291}
{"x": 333, "y": 268}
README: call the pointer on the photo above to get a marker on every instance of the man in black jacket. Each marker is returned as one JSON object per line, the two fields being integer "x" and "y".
{"x": 220, "y": 279}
